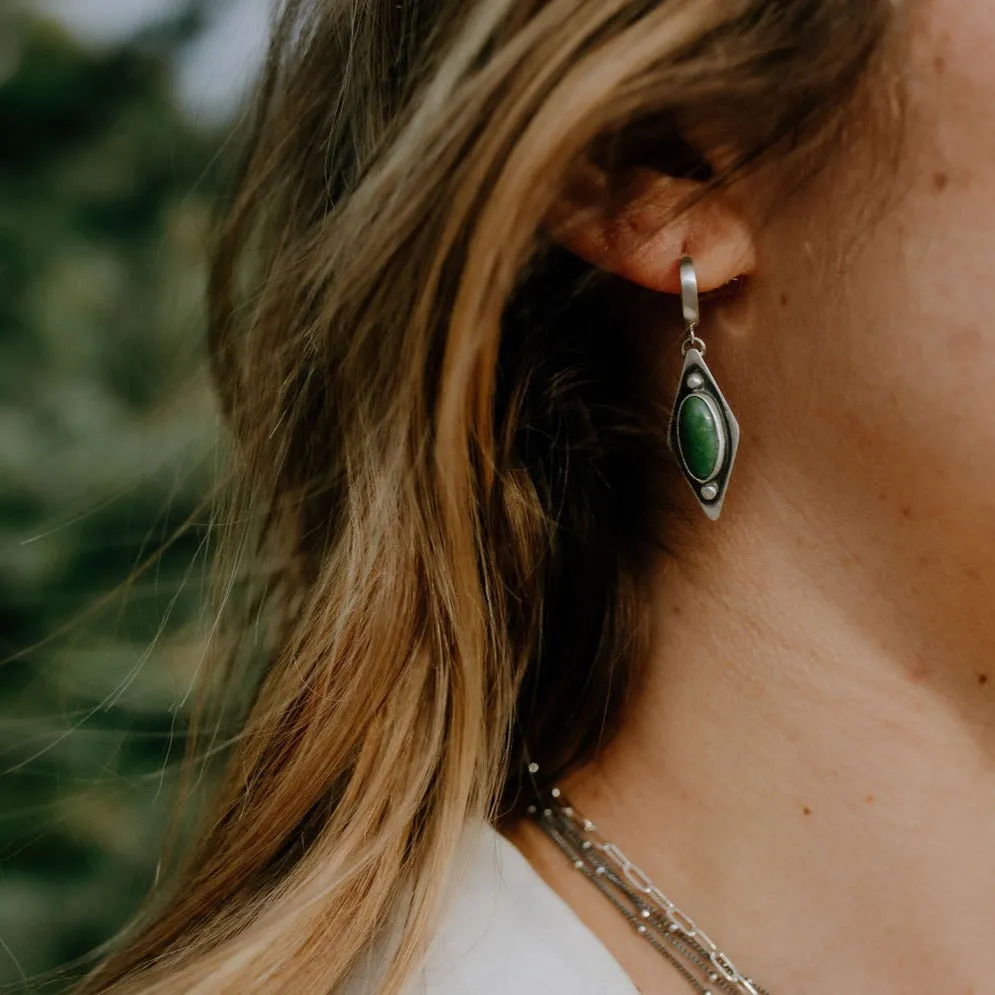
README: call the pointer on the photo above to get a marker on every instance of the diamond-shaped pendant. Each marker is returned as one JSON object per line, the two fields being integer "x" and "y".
{"x": 703, "y": 434}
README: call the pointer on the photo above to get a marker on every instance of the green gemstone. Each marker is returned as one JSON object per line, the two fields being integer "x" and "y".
{"x": 699, "y": 436}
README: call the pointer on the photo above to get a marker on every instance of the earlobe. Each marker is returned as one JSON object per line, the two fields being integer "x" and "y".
{"x": 640, "y": 232}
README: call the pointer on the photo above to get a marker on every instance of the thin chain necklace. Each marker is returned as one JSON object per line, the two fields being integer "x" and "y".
{"x": 673, "y": 933}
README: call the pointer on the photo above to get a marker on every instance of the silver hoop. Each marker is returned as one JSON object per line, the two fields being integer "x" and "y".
{"x": 689, "y": 292}
{"x": 689, "y": 306}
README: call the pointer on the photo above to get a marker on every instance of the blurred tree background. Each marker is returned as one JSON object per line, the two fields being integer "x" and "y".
{"x": 106, "y": 437}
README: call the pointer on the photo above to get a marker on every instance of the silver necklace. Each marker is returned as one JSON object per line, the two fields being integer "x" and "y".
{"x": 672, "y": 932}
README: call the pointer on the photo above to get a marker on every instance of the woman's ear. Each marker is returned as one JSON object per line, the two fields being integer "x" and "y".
{"x": 639, "y": 229}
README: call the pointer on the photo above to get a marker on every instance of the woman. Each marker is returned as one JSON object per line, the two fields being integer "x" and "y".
{"x": 454, "y": 313}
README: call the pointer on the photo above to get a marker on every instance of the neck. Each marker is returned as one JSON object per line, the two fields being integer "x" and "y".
{"x": 807, "y": 767}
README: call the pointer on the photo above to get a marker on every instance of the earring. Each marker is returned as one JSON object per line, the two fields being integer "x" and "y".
{"x": 703, "y": 433}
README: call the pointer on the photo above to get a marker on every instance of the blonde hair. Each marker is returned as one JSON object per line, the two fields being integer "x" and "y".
{"x": 449, "y": 446}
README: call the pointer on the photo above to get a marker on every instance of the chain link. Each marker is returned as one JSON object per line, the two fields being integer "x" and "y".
{"x": 649, "y": 911}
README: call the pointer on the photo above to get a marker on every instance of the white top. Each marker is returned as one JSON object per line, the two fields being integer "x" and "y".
{"x": 506, "y": 932}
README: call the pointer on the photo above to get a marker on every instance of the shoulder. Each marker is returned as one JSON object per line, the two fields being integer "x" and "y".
{"x": 506, "y": 932}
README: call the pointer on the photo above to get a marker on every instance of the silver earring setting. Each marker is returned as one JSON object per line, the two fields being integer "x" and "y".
{"x": 703, "y": 433}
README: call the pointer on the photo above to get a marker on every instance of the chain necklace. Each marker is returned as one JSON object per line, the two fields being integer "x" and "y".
{"x": 673, "y": 933}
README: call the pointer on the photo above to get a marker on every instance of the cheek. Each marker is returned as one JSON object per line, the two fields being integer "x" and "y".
{"x": 917, "y": 290}
{"x": 882, "y": 300}
{"x": 942, "y": 228}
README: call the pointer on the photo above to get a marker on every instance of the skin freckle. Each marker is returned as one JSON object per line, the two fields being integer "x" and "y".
{"x": 940, "y": 65}
{"x": 940, "y": 181}
{"x": 869, "y": 799}
{"x": 806, "y": 810}
{"x": 784, "y": 300}
{"x": 982, "y": 678}
{"x": 906, "y": 511}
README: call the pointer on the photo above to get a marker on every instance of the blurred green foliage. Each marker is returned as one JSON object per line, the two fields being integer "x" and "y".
{"x": 106, "y": 435}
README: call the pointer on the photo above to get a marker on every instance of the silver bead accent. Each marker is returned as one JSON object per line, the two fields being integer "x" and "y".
{"x": 713, "y": 977}
{"x": 579, "y": 864}
{"x": 695, "y": 380}
{"x": 709, "y": 492}
{"x": 555, "y": 792}
{"x": 533, "y": 768}
{"x": 586, "y": 845}
{"x": 641, "y": 928}
{"x": 646, "y": 913}
{"x": 599, "y": 869}
{"x": 531, "y": 809}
